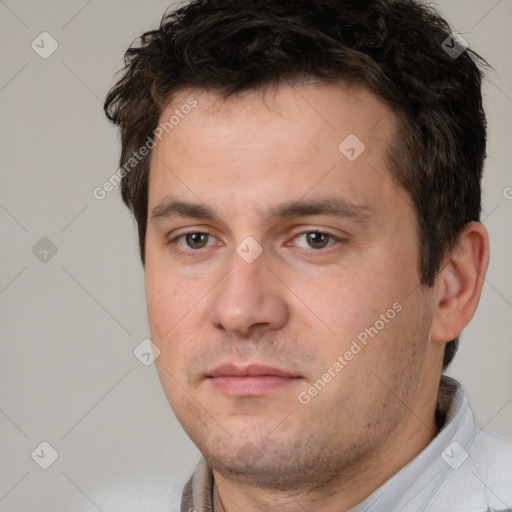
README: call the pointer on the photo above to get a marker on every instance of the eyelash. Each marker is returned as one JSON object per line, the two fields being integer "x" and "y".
{"x": 198, "y": 252}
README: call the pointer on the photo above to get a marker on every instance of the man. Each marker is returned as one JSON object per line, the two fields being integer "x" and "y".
{"x": 306, "y": 181}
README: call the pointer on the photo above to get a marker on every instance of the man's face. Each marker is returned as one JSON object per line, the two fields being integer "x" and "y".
{"x": 244, "y": 336}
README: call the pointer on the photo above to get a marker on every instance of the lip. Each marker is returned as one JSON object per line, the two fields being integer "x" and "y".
{"x": 252, "y": 370}
{"x": 251, "y": 380}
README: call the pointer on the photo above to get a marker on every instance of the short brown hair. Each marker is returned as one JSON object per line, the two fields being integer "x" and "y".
{"x": 396, "y": 49}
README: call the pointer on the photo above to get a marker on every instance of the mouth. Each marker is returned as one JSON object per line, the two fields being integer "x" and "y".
{"x": 252, "y": 380}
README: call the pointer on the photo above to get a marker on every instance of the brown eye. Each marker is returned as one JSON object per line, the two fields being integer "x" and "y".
{"x": 196, "y": 240}
{"x": 317, "y": 240}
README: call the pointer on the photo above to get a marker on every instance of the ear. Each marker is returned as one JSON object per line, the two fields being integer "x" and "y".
{"x": 459, "y": 283}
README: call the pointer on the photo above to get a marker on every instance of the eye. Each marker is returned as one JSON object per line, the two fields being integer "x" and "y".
{"x": 194, "y": 240}
{"x": 315, "y": 239}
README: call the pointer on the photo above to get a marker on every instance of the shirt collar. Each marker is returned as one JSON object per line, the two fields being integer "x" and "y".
{"x": 415, "y": 484}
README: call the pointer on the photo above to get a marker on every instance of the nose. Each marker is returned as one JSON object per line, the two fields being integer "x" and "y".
{"x": 249, "y": 298}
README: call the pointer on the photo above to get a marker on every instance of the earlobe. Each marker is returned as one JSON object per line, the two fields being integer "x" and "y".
{"x": 459, "y": 282}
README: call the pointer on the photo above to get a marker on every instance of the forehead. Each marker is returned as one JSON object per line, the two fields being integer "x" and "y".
{"x": 310, "y": 137}
{"x": 322, "y": 106}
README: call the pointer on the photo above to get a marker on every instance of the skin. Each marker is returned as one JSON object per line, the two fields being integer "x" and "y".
{"x": 295, "y": 306}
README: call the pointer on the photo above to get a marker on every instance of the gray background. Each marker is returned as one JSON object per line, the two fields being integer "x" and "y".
{"x": 68, "y": 375}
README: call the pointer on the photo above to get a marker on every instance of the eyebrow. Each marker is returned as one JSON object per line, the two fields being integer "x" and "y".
{"x": 176, "y": 208}
{"x": 331, "y": 207}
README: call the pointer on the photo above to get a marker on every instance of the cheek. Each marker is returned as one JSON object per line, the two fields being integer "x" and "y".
{"x": 176, "y": 316}
{"x": 160, "y": 300}
{"x": 168, "y": 300}
{"x": 347, "y": 301}
{"x": 372, "y": 318}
